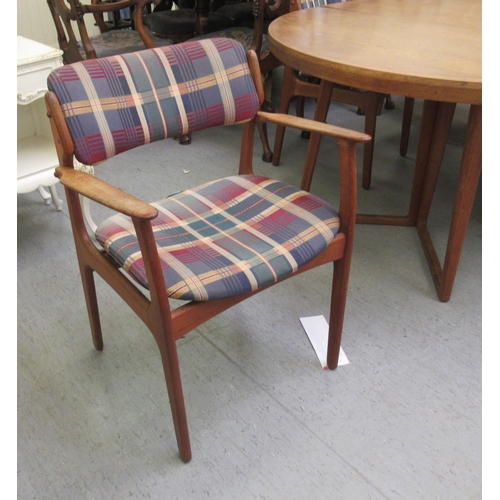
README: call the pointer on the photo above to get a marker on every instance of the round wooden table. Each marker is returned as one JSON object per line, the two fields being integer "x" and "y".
{"x": 429, "y": 49}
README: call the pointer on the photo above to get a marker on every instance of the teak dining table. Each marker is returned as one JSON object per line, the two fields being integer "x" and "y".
{"x": 425, "y": 49}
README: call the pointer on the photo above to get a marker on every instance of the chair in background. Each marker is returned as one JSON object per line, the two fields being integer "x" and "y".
{"x": 67, "y": 13}
{"x": 297, "y": 86}
{"x": 239, "y": 11}
{"x": 406, "y": 126}
{"x": 190, "y": 19}
{"x": 254, "y": 38}
{"x": 212, "y": 246}
{"x": 263, "y": 12}
{"x": 110, "y": 41}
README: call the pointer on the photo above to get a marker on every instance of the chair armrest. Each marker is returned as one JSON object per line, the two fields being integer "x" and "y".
{"x": 105, "y": 194}
{"x": 313, "y": 126}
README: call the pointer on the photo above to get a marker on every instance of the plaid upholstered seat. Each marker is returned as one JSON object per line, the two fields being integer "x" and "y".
{"x": 227, "y": 237}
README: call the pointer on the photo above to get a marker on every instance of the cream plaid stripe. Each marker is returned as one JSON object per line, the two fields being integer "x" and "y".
{"x": 222, "y": 81}
{"x": 136, "y": 99}
{"x": 211, "y": 244}
{"x": 278, "y": 202}
{"x": 174, "y": 90}
{"x": 94, "y": 102}
{"x": 248, "y": 227}
{"x": 154, "y": 93}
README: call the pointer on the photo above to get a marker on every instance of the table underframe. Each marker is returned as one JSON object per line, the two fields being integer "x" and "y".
{"x": 434, "y": 131}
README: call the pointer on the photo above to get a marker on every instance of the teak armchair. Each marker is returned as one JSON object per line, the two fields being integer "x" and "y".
{"x": 212, "y": 246}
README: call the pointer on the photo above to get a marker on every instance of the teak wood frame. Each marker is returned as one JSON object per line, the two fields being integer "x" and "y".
{"x": 168, "y": 325}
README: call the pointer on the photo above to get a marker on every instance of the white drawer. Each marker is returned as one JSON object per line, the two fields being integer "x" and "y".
{"x": 35, "y": 62}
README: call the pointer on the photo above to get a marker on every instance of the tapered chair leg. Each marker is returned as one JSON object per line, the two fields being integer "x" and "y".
{"x": 171, "y": 369}
{"x": 389, "y": 102}
{"x": 287, "y": 95}
{"x": 373, "y": 101}
{"x": 337, "y": 311}
{"x": 87, "y": 274}
{"x": 267, "y": 153}
{"x": 406, "y": 126}
{"x": 185, "y": 139}
{"x": 299, "y": 106}
{"x": 299, "y": 111}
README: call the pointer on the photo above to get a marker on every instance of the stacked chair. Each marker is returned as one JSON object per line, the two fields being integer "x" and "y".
{"x": 67, "y": 14}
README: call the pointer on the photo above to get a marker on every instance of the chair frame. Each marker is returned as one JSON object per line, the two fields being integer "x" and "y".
{"x": 168, "y": 325}
{"x": 67, "y": 12}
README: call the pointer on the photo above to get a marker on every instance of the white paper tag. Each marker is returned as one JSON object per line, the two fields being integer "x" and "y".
{"x": 316, "y": 328}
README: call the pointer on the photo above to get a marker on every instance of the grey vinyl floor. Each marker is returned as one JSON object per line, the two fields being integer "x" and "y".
{"x": 401, "y": 421}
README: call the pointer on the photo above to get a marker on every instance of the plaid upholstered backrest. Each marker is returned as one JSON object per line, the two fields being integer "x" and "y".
{"x": 308, "y": 4}
{"x": 117, "y": 103}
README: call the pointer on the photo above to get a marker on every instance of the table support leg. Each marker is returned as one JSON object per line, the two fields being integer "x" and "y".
{"x": 468, "y": 179}
{"x": 432, "y": 141}
{"x": 320, "y": 114}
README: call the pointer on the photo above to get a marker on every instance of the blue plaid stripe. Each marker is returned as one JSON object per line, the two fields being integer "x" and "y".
{"x": 227, "y": 237}
{"x": 120, "y": 102}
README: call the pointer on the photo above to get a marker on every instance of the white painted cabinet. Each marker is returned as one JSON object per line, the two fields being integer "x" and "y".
{"x": 36, "y": 153}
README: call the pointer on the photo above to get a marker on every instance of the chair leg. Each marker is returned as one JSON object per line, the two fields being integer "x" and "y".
{"x": 185, "y": 139}
{"x": 299, "y": 111}
{"x": 267, "y": 153}
{"x": 406, "y": 126}
{"x": 299, "y": 105}
{"x": 337, "y": 310}
{"x": 287, "y": 94}
{"x": 372, "y": 103}
{"x": 171, "y": 369}
{"x": 320, "y": 114}
{"x": 89, "y": 291}
{"x": 389, "y": 103}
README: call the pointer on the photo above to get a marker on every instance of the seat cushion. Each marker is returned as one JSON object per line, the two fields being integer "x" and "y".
{"x": 182, "y": 21}
{"x": 115, "y": 42}
{"x": 239, "y": 13}
{"x": 227, "y": 237}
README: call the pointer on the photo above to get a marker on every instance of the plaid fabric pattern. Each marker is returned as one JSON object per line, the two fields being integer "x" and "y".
{"x": 117, "y": 103}
{"x": 226, "y": 237}
{"x": 309, "y": 4}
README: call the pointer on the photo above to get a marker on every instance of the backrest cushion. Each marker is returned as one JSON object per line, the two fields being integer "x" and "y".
{"x": 117, "y": 103}
{"x": 309, "y": 4}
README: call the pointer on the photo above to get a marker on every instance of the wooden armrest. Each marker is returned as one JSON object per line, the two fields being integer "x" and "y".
{"x": 105, "y": 194}
{"x": 313, "y": 126}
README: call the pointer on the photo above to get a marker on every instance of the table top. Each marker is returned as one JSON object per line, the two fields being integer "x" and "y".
{"x": 429, "y": 49}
